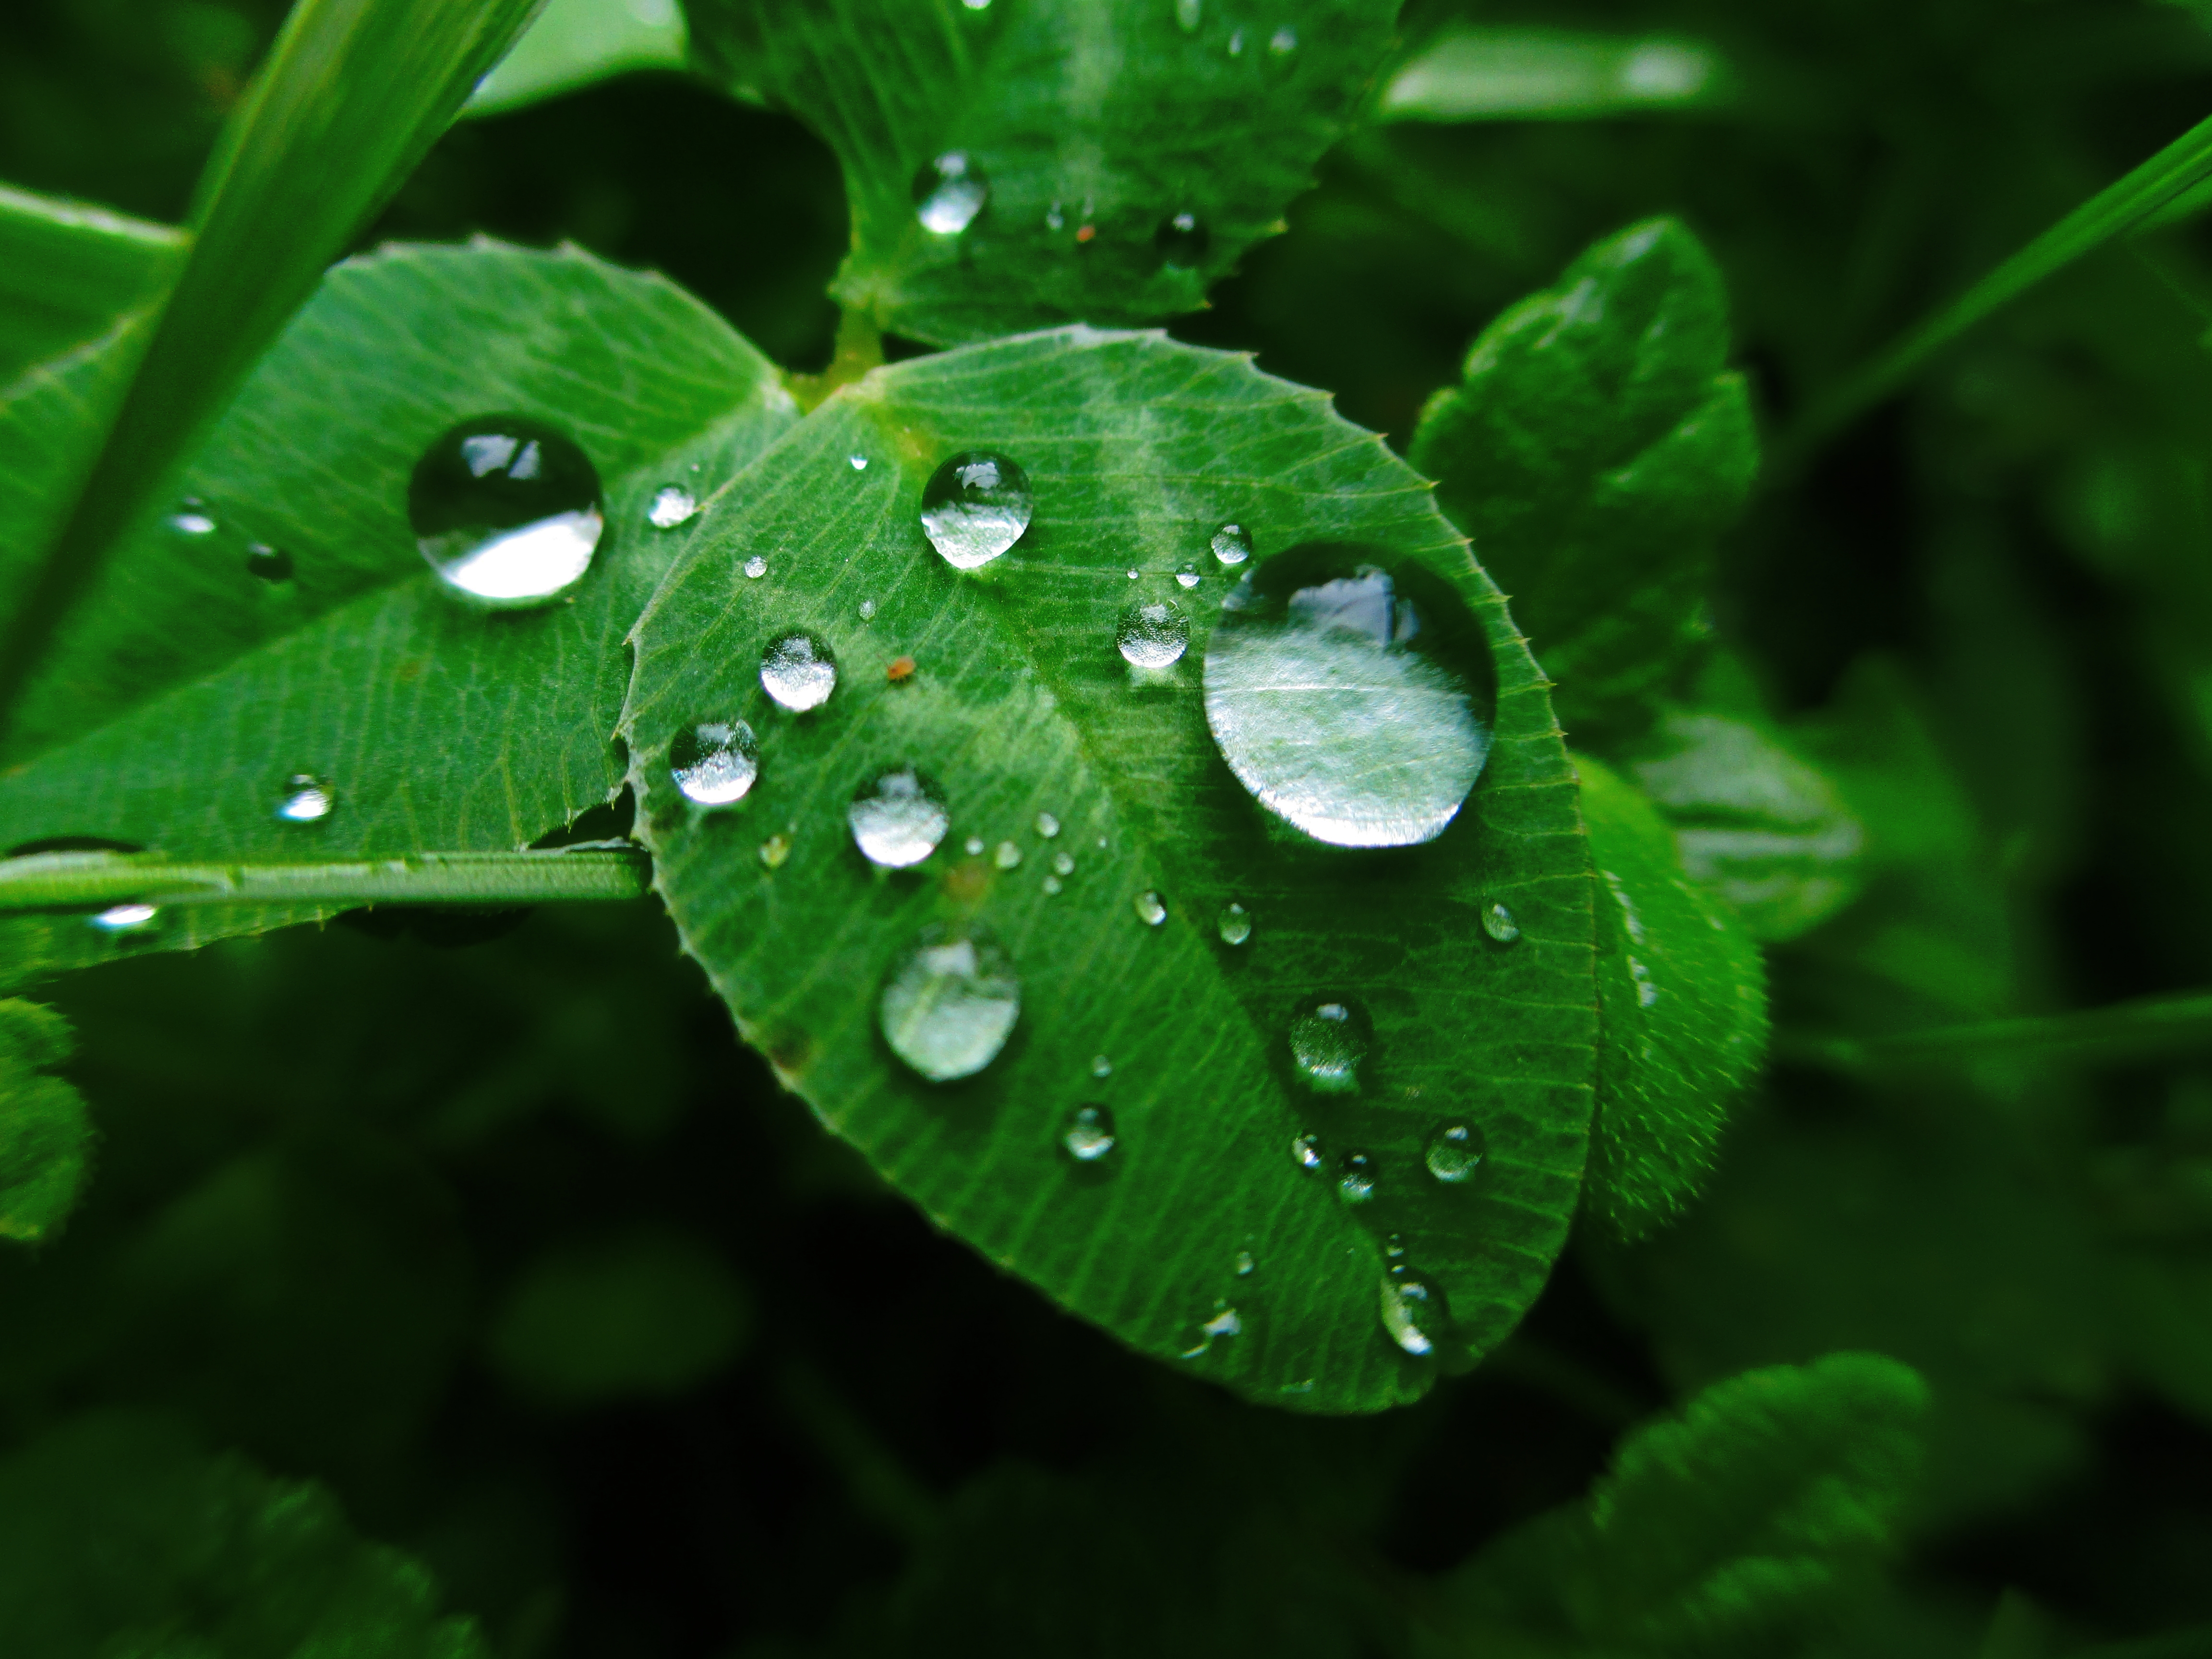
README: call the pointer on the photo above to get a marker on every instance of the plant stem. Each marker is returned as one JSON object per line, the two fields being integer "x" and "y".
{"x": 52, "y": 881}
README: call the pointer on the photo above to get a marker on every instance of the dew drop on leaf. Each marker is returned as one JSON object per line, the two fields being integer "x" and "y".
{"x": 1354, "y": 698}
{"x": 1306, "y": 1152}
{"x": 1454, "y": 1152}
{"x": 715, "y": 762}
{"x": 1328, "y": 1041}
{"x": 1283, "y": 42}
{"x": 1089, "y": 1135}
{"x": 126, "y": 918}
{"x": 755, "y": 568}
{"x": 868, "y": 610}
{"x": 191, "y": 519}
{"x": 1046, "y": 825}
{"x": 975, "y": 507}
{"x": 1224, "y": 1322}
{"x": 1245, "y": 1264}
{"x": 949, "y": 1003}
{"x": 1188, "y": 14}
{"x": 1497, "y": 922}
{"x": 798, "y": 670}
{"x": 898, "y": 818}
{"x": 774, "y": 850}
{"x": 1101, "y": 1066}
{"x": 1355, "y": 1178}
{"x": 1051, "y": 885}
{"x": 1188, "y": 575}
{"x": 1236, "y": 923}
{"x": 270, "y": 564}
{"x": 505, "y": 510}
{"x": 1233, "y": 544}
{"x": 671, "y": 505}
{"x": 948, "y": 193}
{"x": 1181, "y": 240}
{"x": 1394, "y": 1246}
{"x": 1414, "y": 1311}
{"x": 1007, "y": 856}
{"x": 1153, "y": 634}
{"x": 1149, "y": 909}
{"x": 859, "y": 463}
{"x": 1063, "y": 864}
{"x": 975, "y": 847}
{"x": 306, "y": 799}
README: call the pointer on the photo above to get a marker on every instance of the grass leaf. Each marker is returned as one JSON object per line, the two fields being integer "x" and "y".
{"x": 575, "y": 42}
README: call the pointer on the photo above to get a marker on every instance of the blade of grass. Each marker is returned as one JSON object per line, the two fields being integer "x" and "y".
{"x": 53, "y": 881}
{"x": 352, "y": 95}
{"x": 2141, "y": 1028}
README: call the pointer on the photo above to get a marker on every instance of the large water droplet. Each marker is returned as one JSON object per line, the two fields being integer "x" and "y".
{"x": 1355, "y": 1178}
{"x": 1150, "y": 910}
{"x": 1306, "y": 1152}
{"x": 1233, "y": 544}
{"x": 1352, "y": 697}
{"x": 673, "y": 504}
{"x": 1006, "y": 856}
{"x": 1328, "y": 1041}
{"x": 1153, "y": 634}
{"x": 506, "y": 509}
{"x": 948, "y": 193}
{"x": 1236, "y": 923}
{"x": 1187, "y": 575}
{"x": 306, "y": 799}
{"x": 1414, "y": 1311}
{"x": 1046, "y": 825}
{"x": 127, "y": 919}
{"x": 1454, "y": 1152}
{"x": 714, "y": 763}
{"x": 1497, "y": 922}
{"x": 1181, "y": 240}
{"x": 799, "y": 673}
{"x": 270, "y": 564}
{"x": 1089, "y": 1135}
{"x": 975, "y": 507}
{"x": 898, "y": 818}
{"x": 949, "y": 1002}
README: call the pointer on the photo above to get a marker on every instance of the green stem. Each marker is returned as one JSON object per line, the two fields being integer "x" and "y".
{"x": 71, "y": 881}
{"x": 2145, "y": 1027}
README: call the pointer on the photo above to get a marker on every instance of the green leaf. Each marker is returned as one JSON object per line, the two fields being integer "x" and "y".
{"x": 68, "y": 270}
{"x": 1093, "y": 122}
{"x": 1595, "y": 449}
{"x": 1137, "y": 450}
{"x": 46, "y": 1135}
{"x": 1726, "y": 1530}
{"x": 437, "y": 728}
{"x": 1682, "y": 1014}
{"x": 1476, "y": 72}
{"x": 120, "y": 1537}
{"x": 575, "y": 42}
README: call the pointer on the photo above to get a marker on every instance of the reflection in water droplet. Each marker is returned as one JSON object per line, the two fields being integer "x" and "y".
{"x": 1101, "y": 1066}
{"x": 191, "y": 519}
{"x": 1149, "y": 910}
{"x": 1008, "y": 856}
{"x": 1245, "y": 1264}
{"x": 755, "y": 568}
{"x": 949, "y": 1002}
{"x": 948, "y": 193}
{"x": 1454, "y": 1152}
{"x": 1089, "y": 1135}
{"x": 1188, "y": 575}
{"x": 1236, "y": 923}
{"x": 1414, "y": 1311}
{"x": 1046, "y": 825}
{"x": 673, "y": 504}
{"x": 774, "y": 850}
{"x": 127, "y": 919}
{"x": 859, "y": 463}
{"x": 1188, "y": 14}
{"x": 1153, "y": 634}
{"x": 1306, "y": 1152}
{"x": 898, "y": 818}
{"x": 799, "y": 673}
{"x": 270, "y": 564}
{"x": 1328, "y": 1040}
{"x": 306, "y": 800}
{"x": 1182, "y": 241}
{"x": 974, "y": 506}
{"x": 506, "y": 509}
{"x": 1497, "y": 922}
{"x": 1233, "y": 544}
{"x": 1355, "y": 1178}
{"x": 1354, "y": 701}
{"x": 1393, "y": 1245}
{"x": 1062, "y": 865}
{"x": 714, "y": 763}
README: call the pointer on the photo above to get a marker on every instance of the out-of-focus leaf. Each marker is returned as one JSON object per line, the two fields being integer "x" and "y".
{"x": 1082, "y": 130}
{"x": 576, "y": 42}
{"x": 120, "y": 1538}
{"x": 1682, "y": 1014}
{"x": 1007, "y": 686}
{"x": 1494, "y": 73}
{"x": 1595, "y": 449}
{"x": 46, "y": 1135}
{"x": 68, "y": 270}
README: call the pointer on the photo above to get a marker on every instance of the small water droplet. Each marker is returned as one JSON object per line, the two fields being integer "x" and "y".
{"x": 270, "y": 564}
{"x": 1188, "y": 14}
{"x": 714, "y": 763}
{"x": 1328, "y": 1043}
{"x": 976, "y": 5}
{"x": 859, "y": 463}
{"x": 1149, "y": 910}
{"x": 1056, "y": 217}
{"x": 868, "y": 610}
{"x": 948, "y": 193}
{"x": 1182, "y": 241}
{"x": 1647, "y": 990}
{"x": 799, "y": 673}
{"x": 1306, "y": 1152}
{"x": 127, "y": 919}
{"x": 976, "y": 506}
{"x": 1414, "y": 1311}
{"x": 1187, "y": 576}
{"x": 306, "y": 800}
{"x": 774, "y": 850}
{"x": 1062, "y": 865}
{"x": 1051, "y": 885}
{"x": 673, "y": 504}
{"x": 1046, "y": 825}
{"x": 1101, "y": 1066}
{"x": 505, "y": 510}
{"x": 1233, "y": 544}
{"x": 193, "y": 518}
{"x": 1283, "y": 42}
{"x": 949, "y": 1003}
{"x": 975, "y": 846}
{"x": 898, "y": 818}
{"x": 1245, "y": 1264}
{"x": 755, "y": 568}
{"x": 1497, "y": 922}
{"x": 1089, "y": 1135}
{"x": 1454, "y": 1152}
{"x": 1236, "y": 42}
{"x": 1007, "y": 856}
{"x": 1351, "y": 693}
{"x": 1224, "y": 1322}
{"x": 1153, "y": 633}
{"x": 1133, "y": 573}
{"x": 1355, "y": 1178}
{"x": 1394, "y": 1246}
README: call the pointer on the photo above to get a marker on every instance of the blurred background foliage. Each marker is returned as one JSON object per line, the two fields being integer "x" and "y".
{"x": 506, "y": 1240}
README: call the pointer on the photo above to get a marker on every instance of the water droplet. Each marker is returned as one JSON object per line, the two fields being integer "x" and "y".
{"x": 1353, "y": 700}
{"x": 774, "y": 850}
{"x": 1181, "y": 240}
{"x": 1394, "y": 1246}
{"x": 1153, "y": 634}
{"x": 1236, "y": 923}
{"x": 976, "y": 5}
{"x": 1062, "y": 865}
{"x": 1236, "y": 42}
{"x": 1149, "y": 910}
{"x": 799, "y": 673}
{"x": 1328, "y": 1041}
{"x": 673, "y": 504}
{"x": 714, "y": 763}
{"x": 1245, "y": 1264}
{"x": 1224, "y": 1322}
{"x": 193, "y": 518}
{"x": 1056, "y": 217}
{"x": 859, "y": 463}
{"x": 506, "y": 509}
{"x": 898, "y": 818}
{"x": 1414, "y": 1311}
{"x": 948, "y": 193}
{"x": 127, "y": 919}
{"x": 270, "y": 564}
{"x": 1188, "y": 14}
{"x": 755, "y": 568}
{"x": 975, "y": 847}
{"x": 1306, "y": 1152}
{"x": 975, "y": 507}
{"x": 1355, "y": 1178}
{"x": 1046, "y": 825}
{"x": 1283, "y": 42}
{"x": 1187, "y": 576}
{"x": 1233, "y": 544}
{"x": 868, "y": 610}
{"x": 1133, "y": 573}
{"x": 1051, "y": 885}
{"x": 1647, "y": 990}
{"x": 949, "y": 1002}
{"x": 1089, "y": 1135}
{"x": 306, "y": 800}
{"x": 1497, "y": 922}
{"x": 1101, "y": 1066}
{"x": 1008, "y": 856}
{"x": 1454, "y": 1152}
